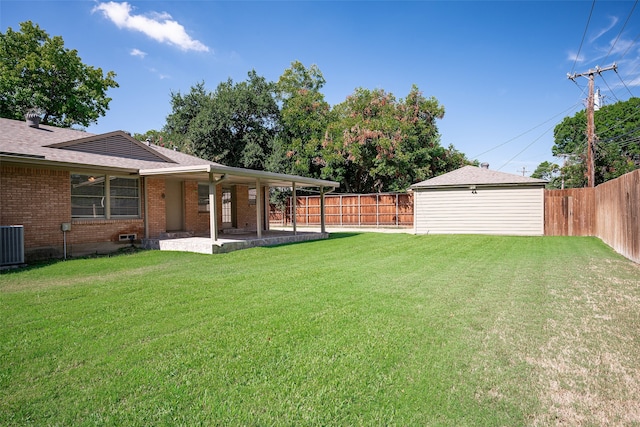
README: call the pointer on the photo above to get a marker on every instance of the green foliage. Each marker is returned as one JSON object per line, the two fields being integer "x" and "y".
{"x": 155, "y": 137}
{"x": 234, "y": 125}
{"x": 304, "y": 117}
{"x": 549, "y": 172}
{"x": 38, "y": 73}
{"x": 369, "y": 143}
{"x": 617, "y": 147}
{"x": 380, "y": 144}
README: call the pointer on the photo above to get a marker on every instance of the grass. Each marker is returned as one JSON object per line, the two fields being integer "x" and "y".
{"x": 360, "y": 329}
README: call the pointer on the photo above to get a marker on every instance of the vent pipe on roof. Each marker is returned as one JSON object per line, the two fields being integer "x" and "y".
{"x": 33, "y": 119}
{"x": 484, "y": 165}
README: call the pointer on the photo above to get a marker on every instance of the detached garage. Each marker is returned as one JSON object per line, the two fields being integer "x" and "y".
{"x": 476, "y": 200}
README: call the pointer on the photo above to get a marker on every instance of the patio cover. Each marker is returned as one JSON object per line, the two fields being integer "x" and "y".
{"x": 216, "y": 174}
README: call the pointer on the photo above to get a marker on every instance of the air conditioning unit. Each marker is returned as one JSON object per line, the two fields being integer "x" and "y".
{"x": 11, "y": 244}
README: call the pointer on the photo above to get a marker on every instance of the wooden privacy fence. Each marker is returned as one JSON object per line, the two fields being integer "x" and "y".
{"x": 618, "y": 214}
{"x": 359, "y": 210}
{"x": 569, "y": 212}
{"x": 610, "y": 211}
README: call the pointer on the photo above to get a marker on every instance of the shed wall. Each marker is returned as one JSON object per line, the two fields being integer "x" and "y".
{"x": 493, "y": 210}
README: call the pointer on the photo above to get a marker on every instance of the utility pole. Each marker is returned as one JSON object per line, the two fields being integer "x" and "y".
{"x": 591, "y": 128}
{"x": 524, "y": 171}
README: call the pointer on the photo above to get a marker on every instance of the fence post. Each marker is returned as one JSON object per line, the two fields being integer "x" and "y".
{"x": 396, "y": 209}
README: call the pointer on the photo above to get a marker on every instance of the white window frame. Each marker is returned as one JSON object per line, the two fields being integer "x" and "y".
{"x": 106, "y": 197}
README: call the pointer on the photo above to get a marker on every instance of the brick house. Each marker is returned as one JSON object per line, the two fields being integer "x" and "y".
{"x": 109, "y": 189}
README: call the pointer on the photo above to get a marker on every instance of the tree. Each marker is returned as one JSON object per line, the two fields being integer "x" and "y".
{"x": 38, "y": 73}
{"x": 617, "y": 147}
{"x": 185, "y": 109}
{"x": 235, "y": 125}
{"x": 380, "y": 144}
{"x": 304, "y": 117}
{"x": 549, "y": 172}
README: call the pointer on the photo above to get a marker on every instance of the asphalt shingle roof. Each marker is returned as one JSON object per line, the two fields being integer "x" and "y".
{"x": 18, "y": 139}
{"x": 473, "y": 175}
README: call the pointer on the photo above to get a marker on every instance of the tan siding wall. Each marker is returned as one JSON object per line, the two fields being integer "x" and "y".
{"x": 496, "y": 210}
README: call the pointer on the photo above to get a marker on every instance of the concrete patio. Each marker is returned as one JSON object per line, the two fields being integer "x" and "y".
{"x": 228, "y": 243}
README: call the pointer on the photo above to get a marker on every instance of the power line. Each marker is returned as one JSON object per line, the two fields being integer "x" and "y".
{"x": 609, "y": 87}
{"x": 620, "y": 33}
{"x": 584, "y": 35}
{"x": 524, "y": 133}
{"x": 624, "y": 84}
{"x": 629, "y": 117}
{"x": 525, "y": 148}
{"x": 630, "y": 46}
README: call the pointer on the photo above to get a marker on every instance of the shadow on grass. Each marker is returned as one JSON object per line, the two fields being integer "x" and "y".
{"x": 332, "y": 236}
{"x": 34, "y": 265}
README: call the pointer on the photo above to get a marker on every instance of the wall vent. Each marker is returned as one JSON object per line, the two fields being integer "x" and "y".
{"x": 11, "y": 244}
{"x": 127, "y": 237}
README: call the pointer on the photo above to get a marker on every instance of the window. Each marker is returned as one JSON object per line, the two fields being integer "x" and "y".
{"x": 203, "y": 197}
{"x": 226, "y": 206}
{"x": 89, "y": 196}
{"x": 252, "y": 197}
{"x": 124, "y": 195}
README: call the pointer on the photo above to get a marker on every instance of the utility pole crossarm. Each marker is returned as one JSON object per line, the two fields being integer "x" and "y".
{"x": 591, "y": 72}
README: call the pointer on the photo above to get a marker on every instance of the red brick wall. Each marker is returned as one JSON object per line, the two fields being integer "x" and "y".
{"x": 245, "y": 212}
{"x": 157, "y": 212}
{"x": 198, "y": 222}
{"x": 40, "y": 199}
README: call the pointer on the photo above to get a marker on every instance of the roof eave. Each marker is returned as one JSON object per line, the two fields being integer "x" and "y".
{"x": 245, "y": 173}
{"x": 43, "y": 162}
{"x": 514, "y": 184}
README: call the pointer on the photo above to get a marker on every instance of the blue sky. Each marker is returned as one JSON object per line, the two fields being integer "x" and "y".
{"x": 498, "y": 68}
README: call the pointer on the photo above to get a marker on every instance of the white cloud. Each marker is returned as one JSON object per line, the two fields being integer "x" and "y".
{"x": 159, "y": 74}
{"x": 138, "y": 52}
{"x": 573, "y": 57}
{"x": 159, "y": 26}
{"x": 612, "y": 23}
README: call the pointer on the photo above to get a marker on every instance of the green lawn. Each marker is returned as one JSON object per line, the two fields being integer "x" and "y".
{"x": 361, "y": 329}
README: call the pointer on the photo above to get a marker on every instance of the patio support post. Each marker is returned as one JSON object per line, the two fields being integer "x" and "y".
{"x": 294, "y": 214}
{"x": 145, "y": 182}
{"x": 267, "y": 208}
{"x": 213, "y": 209}
{"x": 322, "y": 222}
{"x": 259, "y": 204}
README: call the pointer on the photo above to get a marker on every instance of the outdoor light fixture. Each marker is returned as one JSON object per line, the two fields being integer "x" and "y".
{"x": 473, "y": 189}
{"x": 92, "y": 178}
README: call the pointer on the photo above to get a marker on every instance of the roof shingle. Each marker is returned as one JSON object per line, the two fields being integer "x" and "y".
{"x": 473, "y": 175}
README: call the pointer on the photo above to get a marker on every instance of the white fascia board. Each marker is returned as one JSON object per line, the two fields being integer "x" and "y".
{"x": 268, "y": 177}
